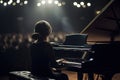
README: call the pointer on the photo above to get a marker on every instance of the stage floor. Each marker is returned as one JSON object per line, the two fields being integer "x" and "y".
{"x": 72, "y": 76}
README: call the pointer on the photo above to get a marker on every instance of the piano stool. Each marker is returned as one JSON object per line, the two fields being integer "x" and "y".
{"x": 25, "y": 75}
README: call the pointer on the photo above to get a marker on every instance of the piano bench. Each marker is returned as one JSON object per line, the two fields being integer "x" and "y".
{"x": 25, "y": 75}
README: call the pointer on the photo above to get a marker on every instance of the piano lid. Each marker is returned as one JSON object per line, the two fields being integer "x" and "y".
{"x": 105, "y": 27}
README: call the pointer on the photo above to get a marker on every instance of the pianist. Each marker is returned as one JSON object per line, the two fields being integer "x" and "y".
{"x": 43, "y": 59}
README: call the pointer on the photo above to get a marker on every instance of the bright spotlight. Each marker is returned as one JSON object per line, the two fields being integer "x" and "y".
{"x": 4, "y": 4}
{"x": 78, "y": 5}
{"x": 26, "y": 2}
{"x": 38, "y": 4}
{"x": 50, "y": 1}
{"x": 10, "y": 2}
{"x": 43, "y": 2}
{"x": 82, "y": 3}
{"x": 59, "y": 4}
{"x": 75, "y": 3}
{"x": 56, "y": 2}
{"x": 88, "y": 4}
{"x": 1, "y": 1}
{"x": 18, "y": 1}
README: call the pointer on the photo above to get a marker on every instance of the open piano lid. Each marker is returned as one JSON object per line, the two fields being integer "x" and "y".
{"x": 105, "y": 27}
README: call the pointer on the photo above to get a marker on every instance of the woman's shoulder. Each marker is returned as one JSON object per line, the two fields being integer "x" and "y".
{"x": 41, "y": 44}
{"x": 47, "y": 44}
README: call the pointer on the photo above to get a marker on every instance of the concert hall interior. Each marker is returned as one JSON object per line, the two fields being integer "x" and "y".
{"x": 85, "y": 37}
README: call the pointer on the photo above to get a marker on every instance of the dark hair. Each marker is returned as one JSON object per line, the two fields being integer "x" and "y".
{"x": 42, "y": 29}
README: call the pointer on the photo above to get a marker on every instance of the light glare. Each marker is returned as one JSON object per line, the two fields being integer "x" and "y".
{"x": 59, "y": 4}
{"x": 18, "y": 1}
{"x": 14, "y": 4}
{"x": 63, "y": 3}
{"x": 50, "y": 1}
{"x": 43, "y": 2}
{"x": 97, "y": 12}
{"x": 56, "y": 2}
{"x": 21, "y": 4}
{"x": 25, "y": 2}
{"x": 5, "y": 4}
{"x": 10, "y": 2}
{"x": 88, "y": 4}
{"x": 38, "y": 4}
{"x": 82, "y": 3}
{"x": 75, "y": 3}
{"x": 1, "y": 1}
{"x": 84, "y": 6}
{"x": 78, "y": 5}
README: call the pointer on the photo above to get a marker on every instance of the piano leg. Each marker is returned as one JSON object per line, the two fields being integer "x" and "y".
{"x": 79, "y": 75}
{"x": 108, "y": 76}
{"x": 91, "y": 76}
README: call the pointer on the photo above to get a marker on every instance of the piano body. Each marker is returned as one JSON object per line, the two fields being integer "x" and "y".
{"x": 73, "y": 52}
{"x": 104, "y": 33}
{"x": 74, "y": 46}
{"x": 103, "y": 38}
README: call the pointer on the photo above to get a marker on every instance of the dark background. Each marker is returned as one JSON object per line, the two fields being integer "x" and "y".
{"x": 67, "y": 18}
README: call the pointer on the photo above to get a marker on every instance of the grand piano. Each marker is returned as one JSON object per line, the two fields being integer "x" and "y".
{"x": 104, "y": 40}
{"x": 104, "y": 32}
{"x": 73, "y": 52}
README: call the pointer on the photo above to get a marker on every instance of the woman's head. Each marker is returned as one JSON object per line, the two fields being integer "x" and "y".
{"x": 42, "y": 29}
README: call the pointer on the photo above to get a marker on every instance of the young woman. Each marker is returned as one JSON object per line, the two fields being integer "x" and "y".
{"x": 42, "y": 53}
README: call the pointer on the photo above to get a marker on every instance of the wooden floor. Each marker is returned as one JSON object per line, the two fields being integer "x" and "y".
{"x": 73, "y": 76}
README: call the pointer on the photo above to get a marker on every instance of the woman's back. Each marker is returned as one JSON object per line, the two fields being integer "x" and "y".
{"x": 41, "y": 54}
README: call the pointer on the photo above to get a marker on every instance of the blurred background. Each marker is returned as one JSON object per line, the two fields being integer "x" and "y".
{"x": 17, "y": 19}
{"x": 68, "y": 16}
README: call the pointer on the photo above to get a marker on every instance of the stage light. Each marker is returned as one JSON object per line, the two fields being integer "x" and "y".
{"x": 26, "y": 2}
{"x": 1, "y": 1}
{"x": 4, "y": 4}
{"x": 75, "y": 3}
{"x": 38, "y": 4}
{"x": 50, "y": 1}
{"x": 13, "y": 3}
{"x": 43, "y": 2}
{"x": 18, "y": 1}
{"x": 88, "y": 4}
{"x": 78, "y": 5}
{"x": 82, "y": 3}
{"x": 10, "y": 2}
{"x": 21, "y": 4}
{"x": 63, "y": 3}
{"x": 84, "y": 6}
{"x": 59, "y": 4}
{"x": 56, "y": 2}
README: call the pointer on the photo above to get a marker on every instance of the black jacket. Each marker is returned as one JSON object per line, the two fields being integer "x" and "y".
{"x": 43, "y": 58}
